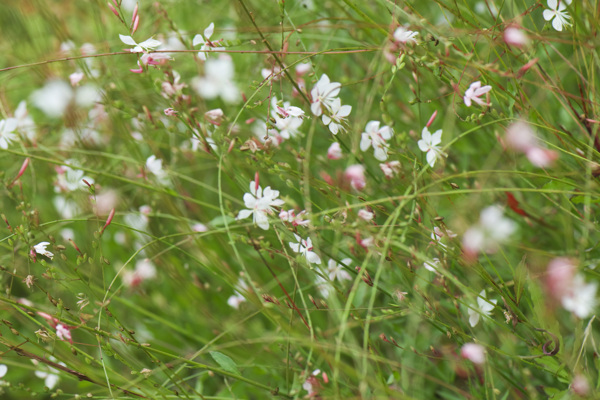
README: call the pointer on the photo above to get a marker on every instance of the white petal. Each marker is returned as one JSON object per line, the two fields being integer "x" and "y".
{"x": 344, "y": 111}
{"x": 244, "y": 214}
{"x": 313, "y": 257}
{"x": 436, "y": 138}
{"x": 473, "y": 318}
{"x": 198, "y": 39}
{"x": 295, "y": 246}
{"x": 315, "y": 108}
{"x": 326, "y": 119}
{"x": 127, "y": 40}
{"x": 381, "y": 153}
{"x": 150, "y": 43}
{"x": 209, "y": 31}
{"x": 372, "y": 127}
{"x": 3, "y": 370}
{"x": 261, "y": 220}
{"x": 431, "y": 158}
{"x": 334, "y": 128}
{"x": 552, "y": 4}
{"x": 557, "y": 23}
{"x": 365, "y": 142}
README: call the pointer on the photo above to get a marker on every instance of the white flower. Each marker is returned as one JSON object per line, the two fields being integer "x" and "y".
{"x": 483, "y": 306}
{"x": 403, "y": 35}
{"x": 260, "y": 204}
{"x": 71, "y": 179}
{"x": 365, "y": 214}
{"x": 473, "y": 93}
{"x": 3, "y": 370}
{"x": 7, "y": 129}
{"x": 204, "y": 41}
{"x": 287, "y": 118}
{"x": 581, "y": 298}
{"x": 143, "y": 47}
{"x": 218, "y": 80}
{"x": 337, "y": 113}
{"x": 430, "y": 144}
{"x": 337, "y": 271}
{"x": 305, "y": 247}
{"x": 235, "y": 300}
{"x": 292, "y": 218}
{"x": 154, "y": 165}
{"x": 491, "y": 230}
{"x": 376, "y": 137}
{"x": 323, "y": 94}
{"x": 40, "y": 248}
{"x": 557, "y": 11}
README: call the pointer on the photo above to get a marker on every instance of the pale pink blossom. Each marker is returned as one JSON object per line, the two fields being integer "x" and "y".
{"x": 514, "y": 36}
{"x": 76, "y": 77}
{"x": 521, "y": 137}
{"x": 366, "y": 215}
{"x": 170, "y": 112}
{"x": 292, "y": 218}
{"x": 474, "y": 92}
{"x": 580, "y": 385}
{"x": 215, "y": 116}
{"x": 390, "y": 168}
{"x": 473, "y": 352}
{"x": 355, "y": 175}
{"x": 335, "y": 151}
{"x": 63, "y": 333}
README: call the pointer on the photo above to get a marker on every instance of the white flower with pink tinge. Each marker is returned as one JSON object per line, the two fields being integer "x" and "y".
{"x": 473, "y": 352}
{"x": 483, "y": 307}
{"x": 521, "y": 137}
{"x": 337, "y": 114}
{"x": 323, "y": 94}
{"x": 474, "y": 92}
{"x": 305, "y": 248}
{"x": 204, "y": 41}
{"x": 376, "y": 137}
{"x": 260, "y": 203}
{"x": 403, "y": 35}
{"x": 493, "y": 229}
{"x": 581, "y": 297}
{"x": 335, "y": 151}
{"x": 337, "y": 271}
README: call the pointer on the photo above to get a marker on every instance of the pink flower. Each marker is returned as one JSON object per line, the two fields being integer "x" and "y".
{"x": 559, "y": 276}
{"x": 356, "y": 175}
{"x": 514, "y": 36}
{"x": 366, "y": 215}
{"x": 474, "y": 92}
{"x": 473, "y": 352}
{"x": 390, "y": 168}
{"x": 520, "y": 137}
{"x": 170, "y": 112}
{"x": 63, "y": 333}
{"x": 334, "y": 152}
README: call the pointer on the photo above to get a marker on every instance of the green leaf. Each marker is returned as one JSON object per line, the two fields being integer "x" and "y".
{"x": 225, "y": 362}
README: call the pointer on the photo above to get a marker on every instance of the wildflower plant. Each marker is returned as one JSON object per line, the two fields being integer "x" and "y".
{"x": 424, "y": 226}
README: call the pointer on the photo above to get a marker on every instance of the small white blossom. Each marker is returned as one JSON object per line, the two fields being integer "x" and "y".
{"x": 305, "y": 247}
{"x": 483, "y": 307}
{"x": 259, "y": 204}
{"x": 432, "y": 265}
{"x": 474, "y": 92}
{"x": 7, "y": 131}
{"x": 143, "y": 47}
{"x": 204, "y": 41}
{"x": 63, "y": 333}
{"x": 218, "y": 80}
{"x": 40, "y": 248}
{"x": 337, "y": 113}
{"x": 557, "y": 13}
{"x": 429, "y": 144}
{"x": 493, "y": 229}
{"x": 323, "y": 94}
{"x": 581, "y": 297}
{"x": 376, "y": 137}
{"x": 337, "y": 271}
{"x": 403, "y": 35}
{"x": 48, "y": 374}
{"x": 473, "y": 352}
{"x": 287, "y": 118}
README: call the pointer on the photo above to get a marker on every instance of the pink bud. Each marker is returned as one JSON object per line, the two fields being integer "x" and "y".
{"x": 256, "y": 181}
{"x": 108, "y": 220}
{"x": 334, "y": 152}
{"x": 135, "y": 13}
{"x": 139, "y": 70}
{"x": 431, "y": 119}
{"x": 473, "y": 352}
{"x": 135, "y": 24}
{"x": 113, "y": 10}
